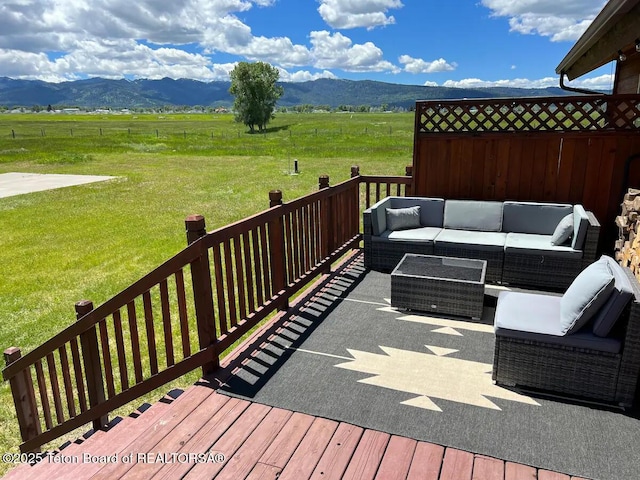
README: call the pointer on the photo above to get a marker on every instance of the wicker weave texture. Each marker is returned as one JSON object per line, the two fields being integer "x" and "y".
{"x": 494, "y": 259}
{"x": 584, "y": 373}
{"x": 449, "y": 296}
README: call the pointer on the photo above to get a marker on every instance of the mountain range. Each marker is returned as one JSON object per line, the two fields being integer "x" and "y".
{"x": 106, "y": 93}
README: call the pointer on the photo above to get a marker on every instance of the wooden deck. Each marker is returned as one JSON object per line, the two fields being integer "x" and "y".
{"x": 238, "y": 439}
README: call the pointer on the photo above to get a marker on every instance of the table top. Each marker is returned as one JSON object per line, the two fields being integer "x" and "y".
{"x": 433, "y": 266}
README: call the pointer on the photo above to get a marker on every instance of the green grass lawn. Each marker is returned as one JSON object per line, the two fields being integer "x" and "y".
{"x": 92, "y": 241}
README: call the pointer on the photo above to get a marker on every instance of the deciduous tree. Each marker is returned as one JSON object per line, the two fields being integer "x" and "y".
{"x": 256, "y": 93}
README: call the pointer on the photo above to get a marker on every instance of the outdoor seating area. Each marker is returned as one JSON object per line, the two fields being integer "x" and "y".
{"x": 530, "y": 244}
{"x": 585, "y": 343}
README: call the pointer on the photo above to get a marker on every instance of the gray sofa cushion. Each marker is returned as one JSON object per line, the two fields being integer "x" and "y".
{"x": 422, "y": 234}
{"x": 536, "y": 317}
{"x": 580, "y": 226}
{"x": 431, "y": 211}
{"x": 487, "y": 241}
{"x": 606, "y": 318}
{"x": 403, "y": 218}
{"x": 532, "y": 217}
{"x": 563, "y": 231}
{"x": 587, "y": 293}
{"x": 473, "y": 215}
{"x": 529, "y": 243}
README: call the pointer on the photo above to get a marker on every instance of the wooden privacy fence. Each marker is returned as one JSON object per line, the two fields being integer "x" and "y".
{"x": 575, "y": 149}
{"x": 184, "y": 314}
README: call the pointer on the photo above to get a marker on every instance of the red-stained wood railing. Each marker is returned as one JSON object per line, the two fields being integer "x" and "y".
{"x": 184, "y": 314}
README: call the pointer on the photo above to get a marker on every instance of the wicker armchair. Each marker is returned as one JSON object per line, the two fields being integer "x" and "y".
{"x": 576, "y": 371}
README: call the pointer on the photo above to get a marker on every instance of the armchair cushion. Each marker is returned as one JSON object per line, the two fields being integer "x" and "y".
{"x": 403, "y": 218}
{"x": 563, "y": 231}
{"x": 536, "y": 317}
{"x": 584, "y": 297}
{"x": 608, "y": 315}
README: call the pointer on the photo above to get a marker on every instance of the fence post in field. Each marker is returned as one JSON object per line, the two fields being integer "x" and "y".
{"x": 91, "y": 361}
{"x": 24, "y": 398}
{"x": 202, "y": 292}
{"x": 408, "y": 172}
{"x": 328, "y": 228}
{"x": 277, "y": 249}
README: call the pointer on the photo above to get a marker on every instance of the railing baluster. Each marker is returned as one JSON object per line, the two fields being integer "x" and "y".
{"x": 230, "y": 284}
{"x": 106, "y": 358}
{"x": 151, "y": 334}
{"x": 241, "y": 280}
{"x": 44, "y": 397}
{"x": 78, "y": 373}
{"x": 55, "y": 388}
{"x": 122, "y": 358}
{"x": 219, "y": 283}
{"x": 166, "y": 322}
{"x": 246, "y": 247}
{"x": 135, "y": 340}
{"x": 257, "y": 266}
{"x": 182, "y": 311}
{"x": 306, "y": 228}
{"x": 66, "y": 380}
{"x": 264, "y": 254}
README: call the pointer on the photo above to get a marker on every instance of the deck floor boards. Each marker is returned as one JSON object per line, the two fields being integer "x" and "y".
{"x": 267, "y": 443}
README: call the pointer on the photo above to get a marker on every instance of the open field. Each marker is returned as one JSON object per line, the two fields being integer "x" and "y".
{"x": 91, "y": 241}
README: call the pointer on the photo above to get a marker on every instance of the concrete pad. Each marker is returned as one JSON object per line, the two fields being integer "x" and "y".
{"x": 15, "y": 183}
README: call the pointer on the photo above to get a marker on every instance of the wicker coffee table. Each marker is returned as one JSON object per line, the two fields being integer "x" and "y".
{"x": 446, "y": 285}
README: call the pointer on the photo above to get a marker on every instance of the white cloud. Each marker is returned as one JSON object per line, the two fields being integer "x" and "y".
{"x": 95, "y": 38}
{"x": 430, "y": 84}
{"x": 602, "y": 82}
{"x": 337, "y": 51}
{"x": 560, "y": 20}
{"x": 343, "y": 14}
{"x": 417, "y": 65}
{"x": 303, "y": 75}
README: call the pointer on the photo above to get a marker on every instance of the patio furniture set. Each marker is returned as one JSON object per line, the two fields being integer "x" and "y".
{"x": 584, "y": 343}
{"x": 517, "y": 239}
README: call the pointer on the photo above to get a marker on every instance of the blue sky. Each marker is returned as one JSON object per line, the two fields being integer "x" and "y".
{"x": 421, "y": 42}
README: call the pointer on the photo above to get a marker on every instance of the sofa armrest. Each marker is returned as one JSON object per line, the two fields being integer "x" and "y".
{"x": 375, "y": 217}
{"x": 590, "y": 246}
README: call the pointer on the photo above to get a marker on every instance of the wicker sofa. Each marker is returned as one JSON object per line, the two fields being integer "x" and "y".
{"x": 585, "y": 343}
{"x": 514, "y": 237}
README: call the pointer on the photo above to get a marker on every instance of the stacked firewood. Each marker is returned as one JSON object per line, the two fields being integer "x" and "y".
{"x": 628, "y": 244}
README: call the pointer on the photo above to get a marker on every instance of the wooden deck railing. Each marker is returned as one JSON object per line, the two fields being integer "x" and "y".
{"x": 535, "y": 114}
{"x": 184, "y": 314}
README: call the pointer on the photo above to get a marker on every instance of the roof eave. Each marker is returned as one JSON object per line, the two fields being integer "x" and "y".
{"x": 614, "y": 27}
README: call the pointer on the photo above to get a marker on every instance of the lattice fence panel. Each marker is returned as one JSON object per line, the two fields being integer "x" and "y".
{"x": 572, "y": 113}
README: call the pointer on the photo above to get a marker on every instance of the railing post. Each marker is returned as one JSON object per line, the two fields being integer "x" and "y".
{"x": 408, "y": 172}
{"x": 328, "y": 228}
{"x": 202, "y": 292}
{"x": 91, "y": 361}
{"x": 24, "y": 398}
{"x": 277, "y": 249}
{"x": 355, "y": 171}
